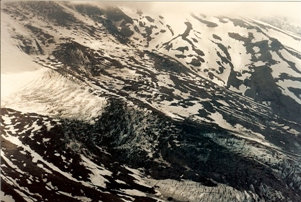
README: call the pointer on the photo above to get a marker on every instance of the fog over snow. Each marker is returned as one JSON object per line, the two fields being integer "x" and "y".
{"x": 290, "y": 10}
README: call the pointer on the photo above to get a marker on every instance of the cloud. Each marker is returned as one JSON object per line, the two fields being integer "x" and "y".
{"x": 290, "y": 10}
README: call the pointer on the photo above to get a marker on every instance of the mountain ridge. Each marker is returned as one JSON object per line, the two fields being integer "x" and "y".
{"x": 124, "y": 105}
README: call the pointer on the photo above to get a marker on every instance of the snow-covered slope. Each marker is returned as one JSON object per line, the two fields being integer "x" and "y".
{"x": 244, "y": 55}
{"x": 50, "y": 93}
{"x": 123, "y": 105}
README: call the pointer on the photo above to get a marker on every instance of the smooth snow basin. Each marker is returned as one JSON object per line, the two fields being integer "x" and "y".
{"x": 13, "y": 82}
{"x": 47, "y": 92}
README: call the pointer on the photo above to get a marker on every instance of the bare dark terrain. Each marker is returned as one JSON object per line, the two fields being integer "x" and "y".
{"x": 124, "y": 105}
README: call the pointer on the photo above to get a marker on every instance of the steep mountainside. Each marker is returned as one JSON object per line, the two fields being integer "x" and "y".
{"x": 106, "y": 103}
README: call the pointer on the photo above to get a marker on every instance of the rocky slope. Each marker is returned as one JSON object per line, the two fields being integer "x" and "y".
{"x": 127, "y": 105}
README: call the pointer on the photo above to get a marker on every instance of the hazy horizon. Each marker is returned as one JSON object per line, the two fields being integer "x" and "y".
{"x": 289, "y": 10}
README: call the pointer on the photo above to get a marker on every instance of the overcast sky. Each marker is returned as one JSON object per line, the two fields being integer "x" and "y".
{"x": 292, "y": 10}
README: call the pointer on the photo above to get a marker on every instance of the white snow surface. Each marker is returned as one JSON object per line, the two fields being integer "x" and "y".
{"x": 47, "y": 92}
{"x": 13, "y": 60}
{"x": 97, "y": 172}
{"x": 28, "y": 87}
